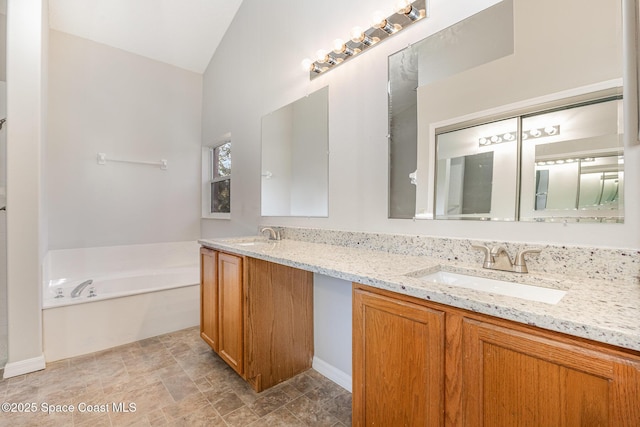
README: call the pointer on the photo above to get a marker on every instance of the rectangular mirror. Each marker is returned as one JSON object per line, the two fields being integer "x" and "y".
{"x": 470, "y": 43}
{"x": 495, "y": 65}
{"x": 295, "y": 158}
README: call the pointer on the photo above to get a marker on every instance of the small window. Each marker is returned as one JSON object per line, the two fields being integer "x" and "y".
{"x": 216, "y": 195}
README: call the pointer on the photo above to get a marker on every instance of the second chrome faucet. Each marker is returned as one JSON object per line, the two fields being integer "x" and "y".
{"x": 273, "y": 234}
{"x": 497, "y": 258}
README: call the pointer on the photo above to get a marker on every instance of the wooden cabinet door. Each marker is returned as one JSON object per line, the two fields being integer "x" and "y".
{"x": 278, "y": 322}
{"x": 398, "y": 362}
{"x": 230, "y": 311}
{"x": 208, "y": 298}
{"x": 513, "y": 378}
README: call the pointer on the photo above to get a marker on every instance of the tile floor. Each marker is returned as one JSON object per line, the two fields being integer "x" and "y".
{"x": 173, "y": 380}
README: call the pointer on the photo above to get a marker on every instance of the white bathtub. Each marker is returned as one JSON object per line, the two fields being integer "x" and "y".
{"x": 137, "y": 291}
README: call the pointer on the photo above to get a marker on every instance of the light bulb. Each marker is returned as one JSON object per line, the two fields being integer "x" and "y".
{"x": 309, "y": 65}
{"x": 508, "y": 136}
{"x": 321, "y": 56}
{"x": 339, "y": 46}
{"x": 378, "y": 20}
{"x": 306, "y": 64}
{"x": 551, "y": 130}
{"x": 483, "y": 141}
{"x": 402, "y": 6}
{"x": 495, "y": 139}
{"x": 357, "y": 35}
{"x": 535, "y": 133}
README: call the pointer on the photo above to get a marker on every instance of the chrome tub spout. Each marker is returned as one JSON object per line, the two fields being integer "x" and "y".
{"x": 78, "y": 289}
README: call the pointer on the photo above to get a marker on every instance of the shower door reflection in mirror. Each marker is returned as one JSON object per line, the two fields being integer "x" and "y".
{"x": 573, "y": 164}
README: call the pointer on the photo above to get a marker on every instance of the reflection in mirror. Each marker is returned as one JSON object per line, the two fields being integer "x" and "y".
{"x": 295, "y": 159}
{"x": 573, "y": 164}
{"x": 477, "y": 173}
{"x": 403, "y": 131}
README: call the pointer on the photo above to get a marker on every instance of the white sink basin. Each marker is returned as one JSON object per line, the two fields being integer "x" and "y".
{"x": 518, "y": 290}
{"x": 250, "y": 241}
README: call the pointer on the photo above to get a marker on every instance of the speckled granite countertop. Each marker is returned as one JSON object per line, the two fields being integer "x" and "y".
{"x": 605, "y": 312}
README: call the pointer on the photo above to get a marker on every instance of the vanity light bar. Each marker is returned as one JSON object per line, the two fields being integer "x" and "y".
{"x": 497, "y": 139}
{"x": 527, "y": 134}
{"x": 382, "y": 28}
{"x": 541, "y": 132}
{"x": 563, "y": 161}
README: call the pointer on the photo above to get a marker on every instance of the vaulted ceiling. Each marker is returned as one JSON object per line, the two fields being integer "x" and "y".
{"x": 183, "y": 33}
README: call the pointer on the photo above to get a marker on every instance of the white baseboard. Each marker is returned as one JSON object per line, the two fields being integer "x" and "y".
{"x": 334, "y": 374}
{"x": 21, "y": 367}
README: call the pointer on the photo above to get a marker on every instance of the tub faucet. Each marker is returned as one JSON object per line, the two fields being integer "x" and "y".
{"x": 78, "y": 289}
{"x": 273, "y": 234}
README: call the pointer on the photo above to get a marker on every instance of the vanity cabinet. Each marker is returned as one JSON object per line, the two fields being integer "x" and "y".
{"x": 209, "y": 297}
{"x": 398, "y": 362}
{"x": 483, "y": 371}
{"x": 221, "y": 305}
{"x": 513, "y": 377}
{"x": 230, "y": 311}
{"x": 257, "y": 315}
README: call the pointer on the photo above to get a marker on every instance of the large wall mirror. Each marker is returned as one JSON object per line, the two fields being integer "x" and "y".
{"x": 477, "y": 40}
{"x": 295, "y": 158}
{"x": 498, "y": 73}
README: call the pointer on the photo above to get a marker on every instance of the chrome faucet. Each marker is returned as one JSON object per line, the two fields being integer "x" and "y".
{"x": 497, "y": 258}
{"x": 78, "y": 289}
{"x": 273, "y": 234}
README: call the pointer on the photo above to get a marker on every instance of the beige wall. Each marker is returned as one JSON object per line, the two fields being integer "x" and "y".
{"x": 256, "y": 70}
{"x": 106, "y": 100}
